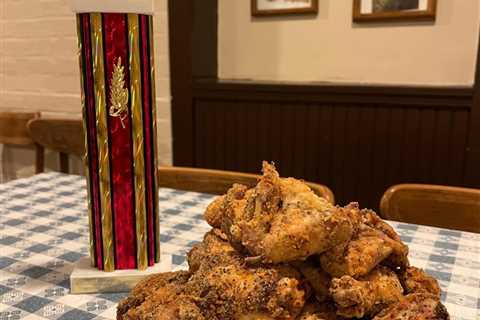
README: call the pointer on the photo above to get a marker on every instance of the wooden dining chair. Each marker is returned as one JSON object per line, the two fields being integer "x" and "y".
{"x": 64, "y": 136}
{"x": 433, "y": 205}
{"x": 218, "y": 181}
{"x": 14, "y": 132}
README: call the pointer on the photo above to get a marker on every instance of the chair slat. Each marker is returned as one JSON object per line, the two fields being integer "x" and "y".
{"x": 433, "y": 205}
{"x": 14, "y": 132}
{"x": 61, "y": 135}
{"x": 218, "y": 181}
{"x": 13, "y": 128}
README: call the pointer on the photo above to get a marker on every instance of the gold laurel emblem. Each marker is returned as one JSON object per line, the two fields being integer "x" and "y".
{"x": 118, "y": 94}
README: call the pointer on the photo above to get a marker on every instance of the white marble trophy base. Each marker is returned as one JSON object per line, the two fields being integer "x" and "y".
{"x": 87, "y": 279}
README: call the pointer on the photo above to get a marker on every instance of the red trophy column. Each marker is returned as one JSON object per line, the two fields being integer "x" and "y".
{"x": 118, "y": 95}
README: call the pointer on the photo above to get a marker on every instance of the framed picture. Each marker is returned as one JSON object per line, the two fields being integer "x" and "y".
{"x": 282, "y": 7}
{"x": 390, "y": 10}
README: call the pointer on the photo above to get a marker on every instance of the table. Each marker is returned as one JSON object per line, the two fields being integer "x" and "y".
{"x": 44, "y": 230}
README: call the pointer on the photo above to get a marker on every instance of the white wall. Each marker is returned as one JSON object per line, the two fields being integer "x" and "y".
{"x": 330, "y": 47}
{"x": 39, "y": 71}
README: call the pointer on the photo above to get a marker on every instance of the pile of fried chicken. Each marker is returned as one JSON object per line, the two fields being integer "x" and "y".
{"x": 279, "y": 251}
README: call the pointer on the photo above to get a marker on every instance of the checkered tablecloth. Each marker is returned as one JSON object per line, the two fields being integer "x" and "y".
{"x": 44, "y": 230}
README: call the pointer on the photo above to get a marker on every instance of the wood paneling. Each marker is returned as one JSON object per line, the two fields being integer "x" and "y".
{"x": 358, "y": 141}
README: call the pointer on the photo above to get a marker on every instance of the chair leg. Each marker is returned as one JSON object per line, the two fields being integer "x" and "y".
{"x": 39, "y": 159}
{"x": 64, "y": 167}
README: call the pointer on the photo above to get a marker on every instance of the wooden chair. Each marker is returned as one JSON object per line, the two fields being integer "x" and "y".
{"x": 13, "y": 132}
{"x": 61, "y": 135}
{"x": 217, "y": 181}
{"x": 433, "y": 205}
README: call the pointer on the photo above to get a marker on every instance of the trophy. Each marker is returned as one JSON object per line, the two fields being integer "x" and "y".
{"x": 116, "y": 55}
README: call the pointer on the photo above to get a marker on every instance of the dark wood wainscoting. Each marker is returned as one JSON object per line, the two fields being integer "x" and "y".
{"x": 358, "y": 140}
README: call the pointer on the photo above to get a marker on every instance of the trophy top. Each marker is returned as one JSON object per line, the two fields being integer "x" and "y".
{"x": 120, "y": 6}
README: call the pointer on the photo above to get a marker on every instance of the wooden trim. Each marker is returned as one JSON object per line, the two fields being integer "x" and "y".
{"x": 472, "y": 172}
{"x": 193, "y": 53}
{"x": 180, "y": 24}
{"x": 204, "y": 39}
{"x": 428, "y": 14}
{"x": 313, "y": 9}
{"x": 451, "y": 97}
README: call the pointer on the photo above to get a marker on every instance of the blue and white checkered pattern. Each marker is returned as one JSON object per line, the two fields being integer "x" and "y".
{"x": 44, "y": 230}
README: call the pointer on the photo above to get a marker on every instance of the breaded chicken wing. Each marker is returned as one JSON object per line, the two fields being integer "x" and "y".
{"x": 280, "y": 220}
{"x": 219, "y": 286}
{"x": 371, "y": 219}
{"x": 368, "y": 248}
{"x": 417, "y": 306}
{"x": 226, "y": 288}
{"x": 318, "y": 311}
{"x": 415, "y": 280}
{"x": 213, "y": 250}
{"x": 318, "y": 279}
{"x": 367, "y": 295}
{"x": 161, "y": 297}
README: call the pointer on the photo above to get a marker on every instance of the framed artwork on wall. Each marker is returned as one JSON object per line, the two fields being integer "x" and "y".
{"x": 283, "y": 7}
{"x": 392, "y": 10}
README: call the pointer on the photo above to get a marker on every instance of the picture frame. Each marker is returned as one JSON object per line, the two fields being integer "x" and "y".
{"x": 262, "y": 8}
{"x": 394, "y": 10}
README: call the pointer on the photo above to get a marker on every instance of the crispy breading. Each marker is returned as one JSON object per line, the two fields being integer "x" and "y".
{"x": 368, "y": 248}
{"x": 220, "y": 286}
{"x": 318, "y": 311}
{"x": 160, "y": 297}
{"x": 368, "y": 295}
{"x": 280, "y": 220}
{"x": 318, "y": 279}
{"x": 280, "y": 252}
{"x": 417, "y": 306}
{"x": 415, "y": 280}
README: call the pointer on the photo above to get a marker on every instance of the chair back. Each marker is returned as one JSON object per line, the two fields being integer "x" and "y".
{"x": 61, "y": 135}
{"x": 218, "y": 181}
{"x": 14, "y": 132}
{"x": 433, "y": 205}
{"x": 13, "y": 128}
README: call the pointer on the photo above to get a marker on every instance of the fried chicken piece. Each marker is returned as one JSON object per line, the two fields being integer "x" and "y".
{"x": 318, "y": 279}
{"x": 398, "y": 260}
{"x": 231, "y": 292}
{"x": 318, "y": 311}
{"x": 368, "y": 295}
{"x": 224, "y": 209}
{"x": 371, "y": 219}
{"x": 214, "y": 212}
{"x": 160, "y": 297}
{"x": 219, "y": 286}
{"x": 213, "y": 248}
{"x": 280, "y": 220}
{"x": 225, "y": 287}
{"x": 363, "y": 253}
{"x": 274, "y": 243}
{"x": 415, "y": 280}
{"x": 417, "y": 306}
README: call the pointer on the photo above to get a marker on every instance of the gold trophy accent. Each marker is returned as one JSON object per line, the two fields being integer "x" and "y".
{"x": 118, "y": 94}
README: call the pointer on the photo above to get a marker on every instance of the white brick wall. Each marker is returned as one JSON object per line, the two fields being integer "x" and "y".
{"x": 39, "y": 71}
